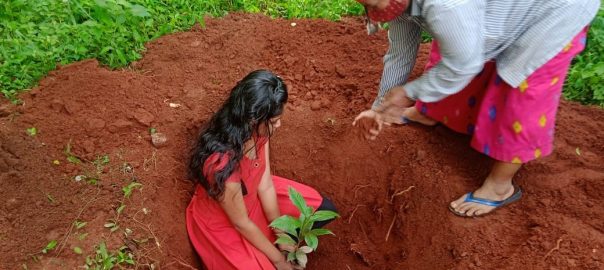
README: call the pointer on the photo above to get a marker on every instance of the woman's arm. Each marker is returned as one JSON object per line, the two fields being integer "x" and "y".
{"x": 404, "y": 37}
{"x": 266, "y": 190}
{"x": 458, "y": 28}
{"x": 234, "y": 207}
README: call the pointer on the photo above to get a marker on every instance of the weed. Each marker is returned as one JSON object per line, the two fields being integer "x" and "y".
{"x": 298, "y": 232}
{"x": 32, "y": 131}
{"x": 70, "y": 156}
{"x": 127, "y": 190}
{"x": 79, "y": 224}
{"x": 50, "y": 246}
{"x": 105, "y": 259}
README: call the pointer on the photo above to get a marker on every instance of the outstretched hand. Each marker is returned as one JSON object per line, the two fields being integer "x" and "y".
{"x": 371, "y": 122}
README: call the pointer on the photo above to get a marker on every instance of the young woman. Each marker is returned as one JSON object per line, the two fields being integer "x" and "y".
{"x": 496, "y": 72}
{"x": 236, "y": 196}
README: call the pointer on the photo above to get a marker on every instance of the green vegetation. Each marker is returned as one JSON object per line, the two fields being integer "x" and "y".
{"x": 105, "y": 259}
{"x": 585, "y": 82}
{"x": 35, "y": 36}
{"x": 298, "y": 233}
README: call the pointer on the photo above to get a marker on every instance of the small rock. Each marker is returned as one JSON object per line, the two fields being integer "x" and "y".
{"x": 195, "y": 44}
{"x": 144, "y": 117}
{"x": 159, "y": 139}
{"x": 315, "y": 105}
{"x": 293, "y": 24}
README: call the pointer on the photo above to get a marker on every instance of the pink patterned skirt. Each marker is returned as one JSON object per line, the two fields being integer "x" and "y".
{"x": 507, "y": 124}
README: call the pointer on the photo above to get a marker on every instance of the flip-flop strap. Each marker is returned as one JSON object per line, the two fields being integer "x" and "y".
{"x": 470, "y": 198}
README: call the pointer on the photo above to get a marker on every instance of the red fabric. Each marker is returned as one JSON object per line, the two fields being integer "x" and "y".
{"x": 389, "y": 13}
{"x": 213, "y": 236}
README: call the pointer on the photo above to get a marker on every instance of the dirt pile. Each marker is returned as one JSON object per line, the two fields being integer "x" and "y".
{"x": 400, "y": 183}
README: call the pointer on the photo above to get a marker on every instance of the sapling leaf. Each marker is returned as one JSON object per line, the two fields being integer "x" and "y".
{"x": 285, "y": 239}
{"x": 299, "y": 202}
{"x": 301, "y": 258}
{"x": 291, "y": 256}
{"x": 323, "y": 215}
{"x": 286, "y": 223}
{"x": 305, "y": 249}
{"x": 319, "y": 232}
{"x": 311, "y": 240}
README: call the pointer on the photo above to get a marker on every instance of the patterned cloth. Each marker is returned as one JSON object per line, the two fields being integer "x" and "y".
{"x": 519, "y": 35}
{"x": 510, "y": 124}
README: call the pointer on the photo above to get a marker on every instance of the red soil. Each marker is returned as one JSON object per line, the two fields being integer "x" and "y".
{"x": 333, "y": 70}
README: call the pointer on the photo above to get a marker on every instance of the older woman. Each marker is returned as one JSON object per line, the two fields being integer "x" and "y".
{"x": 496, "y": 72}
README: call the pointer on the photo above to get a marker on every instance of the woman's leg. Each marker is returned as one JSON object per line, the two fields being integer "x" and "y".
{"x": 516, "y": 125}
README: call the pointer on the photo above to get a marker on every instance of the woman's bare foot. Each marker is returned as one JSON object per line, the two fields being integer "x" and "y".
{"x": 497, "y": 187}
{"x": 413, "y": 115}
{"x": 487, "y": 191}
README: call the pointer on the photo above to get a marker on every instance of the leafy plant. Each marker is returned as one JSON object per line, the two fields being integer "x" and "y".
{"x": 70, "y": 156}
{"x": 79, "y": 224}
{"x": 32, "y": 131}
{"x": 106, "y": 260}
{"x": 50, "y": 246}
{"x": 129, "y": 188}
{"x": 299, "y": 232}
{"x": 586, "y": 76}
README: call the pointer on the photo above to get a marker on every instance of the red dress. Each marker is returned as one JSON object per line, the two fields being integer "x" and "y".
{"x": 215, "y": 239}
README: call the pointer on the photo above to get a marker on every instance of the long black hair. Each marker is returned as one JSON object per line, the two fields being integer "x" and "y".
{"x": 257, "y": 98}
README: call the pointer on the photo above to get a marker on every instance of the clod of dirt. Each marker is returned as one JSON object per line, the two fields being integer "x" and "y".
{"x": 159, "y": 139}
{"x": 315, "y": 105}
{"x": 95, "y": 124}
{"x": 144, "y": 117}
{"x": 325, "y": 102}
{"x": 120, "y": 125}
{"x": 5, "y": 110}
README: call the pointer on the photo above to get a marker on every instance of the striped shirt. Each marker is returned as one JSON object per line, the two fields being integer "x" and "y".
{"x": 519, "y": 35}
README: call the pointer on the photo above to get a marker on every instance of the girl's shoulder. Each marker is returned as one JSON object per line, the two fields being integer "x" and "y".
{"x": 216, "y": 162}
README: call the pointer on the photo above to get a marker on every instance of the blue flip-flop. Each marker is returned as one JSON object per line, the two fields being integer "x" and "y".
{"x": 497, "y": 204}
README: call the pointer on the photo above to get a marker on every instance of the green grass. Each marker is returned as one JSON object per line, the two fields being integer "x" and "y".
{"x": 585, "y": 82}
{"x": 35, "y": 36}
